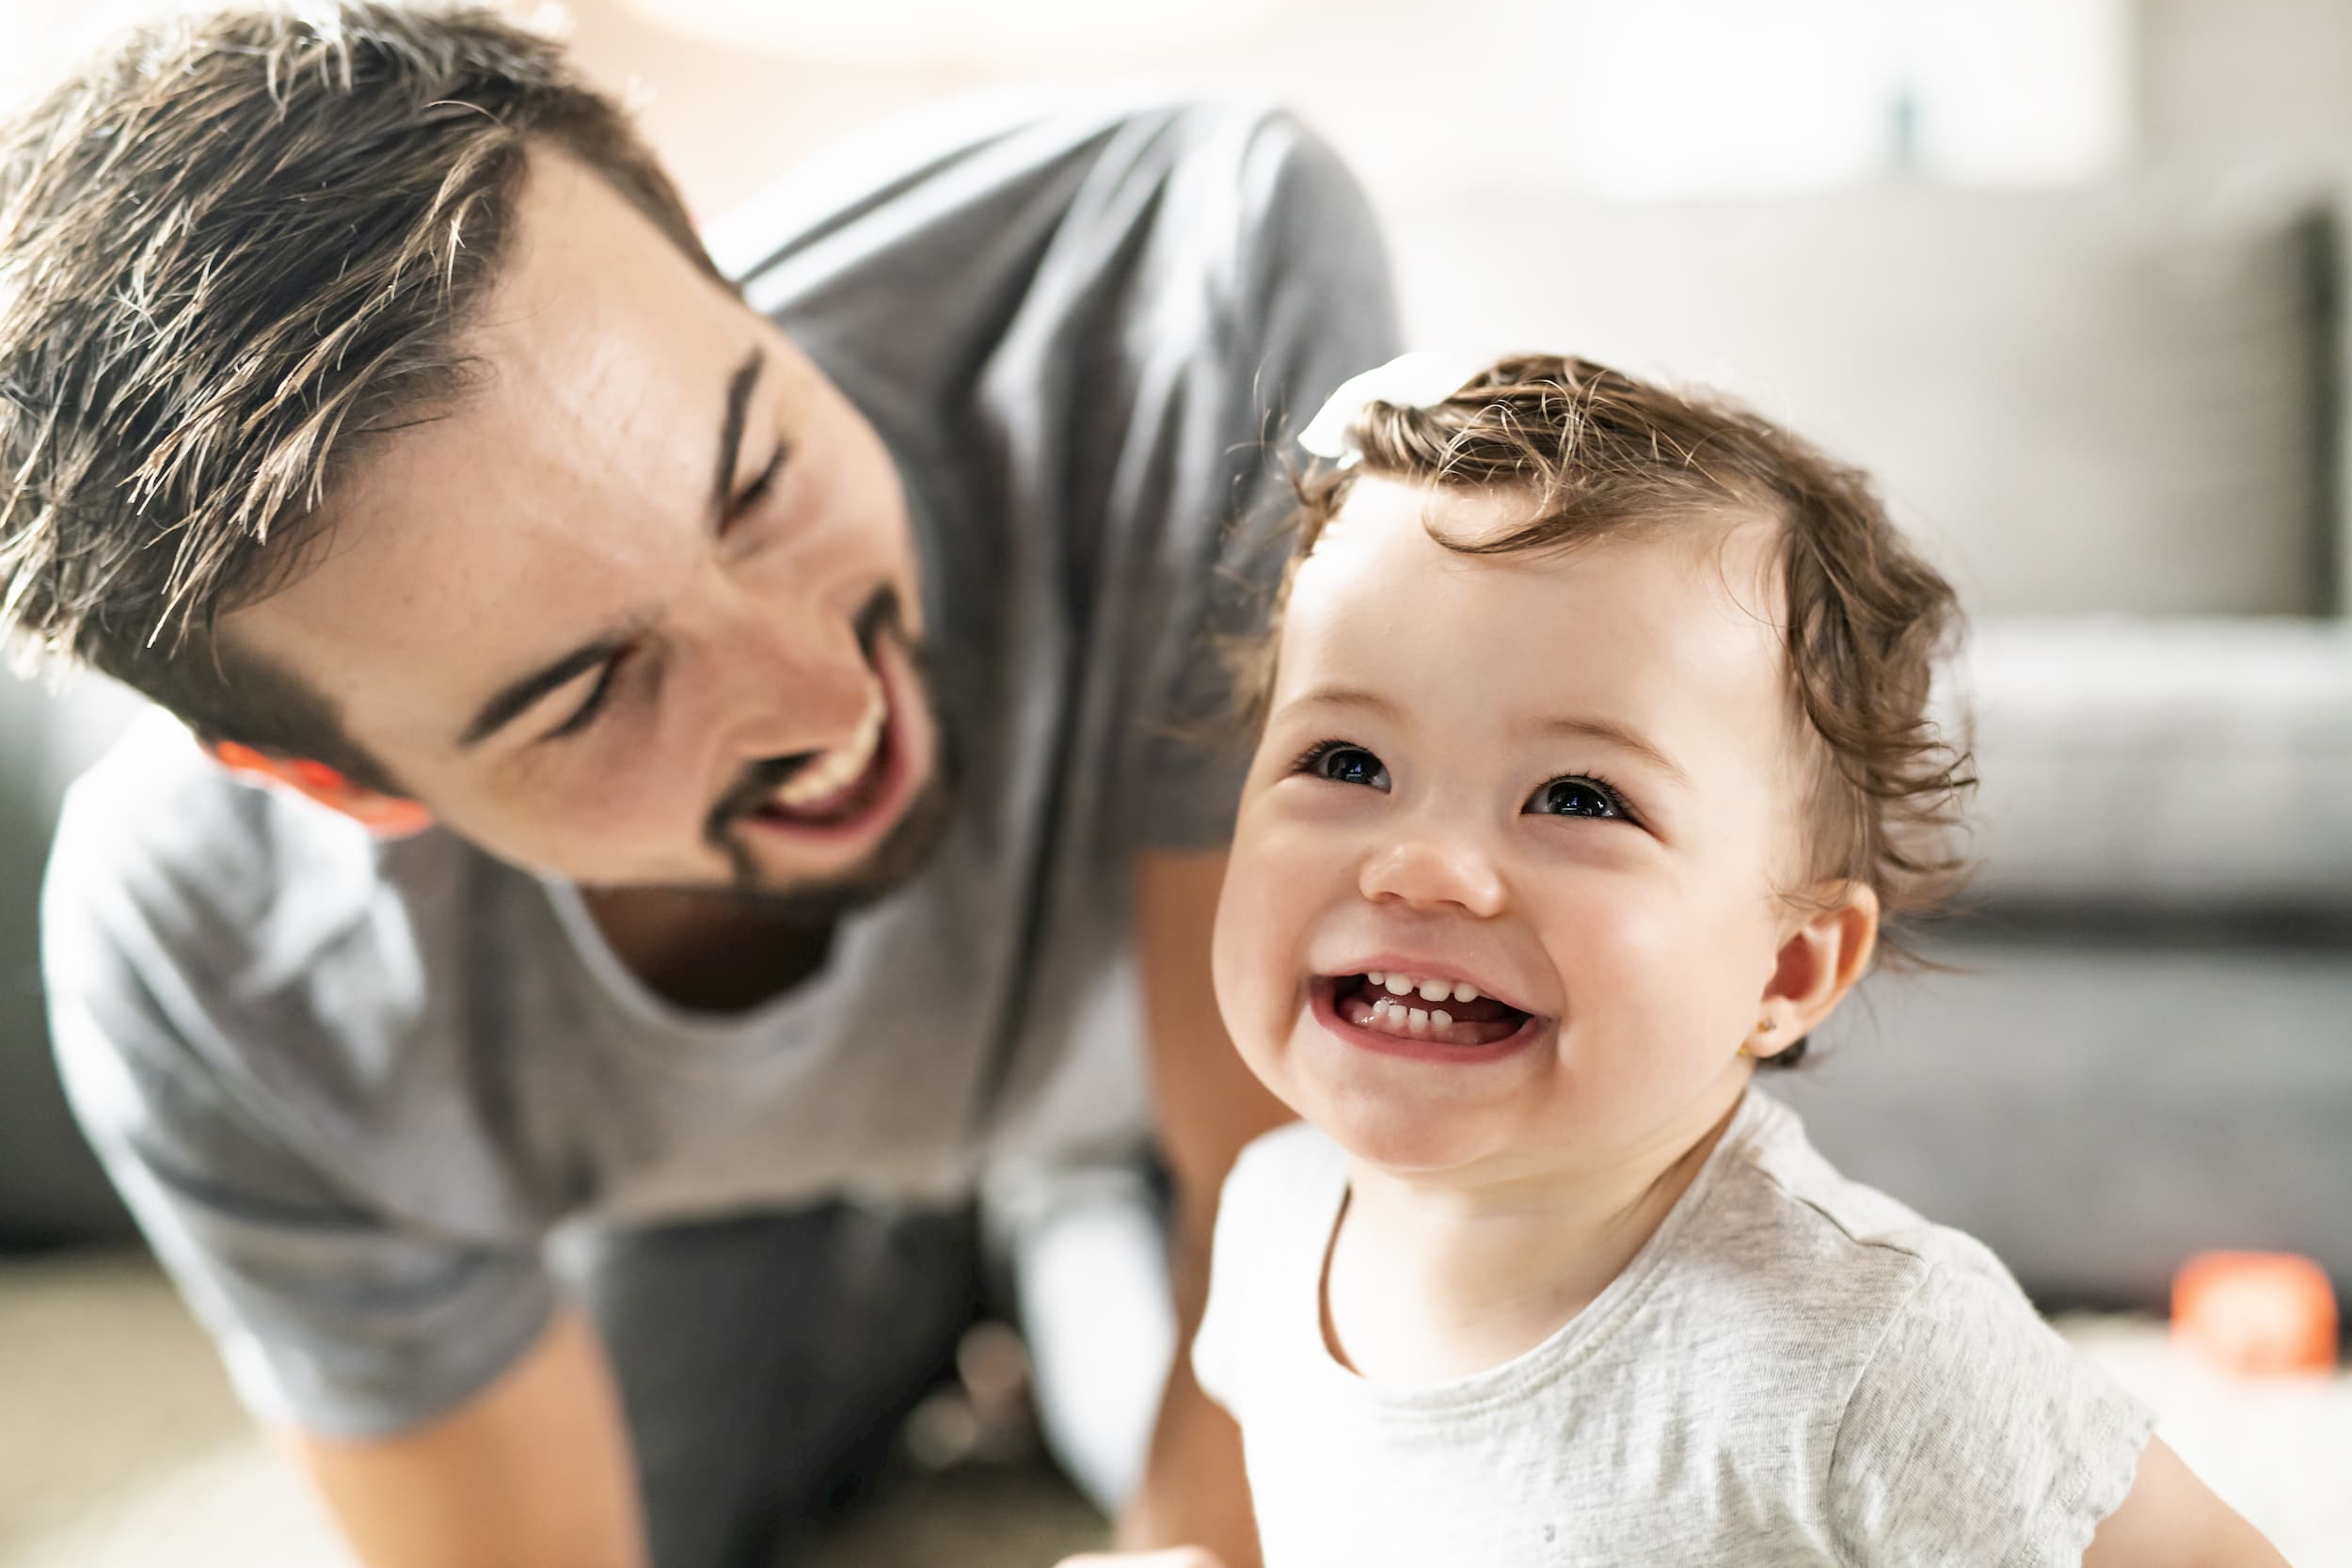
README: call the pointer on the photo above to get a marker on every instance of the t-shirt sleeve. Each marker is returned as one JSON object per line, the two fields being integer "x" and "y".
{"x": 1217, "y": 1343}
{"x": 1302, "y": 301}
{"x": 332, "y": 1316}
{"x": 1976, "y": 1434}
{"x": 1250, "y": 1261}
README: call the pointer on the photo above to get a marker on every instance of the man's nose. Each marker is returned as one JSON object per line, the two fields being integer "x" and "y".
{"x": 793, "y": 675}
{"x": 1429, "y": 869}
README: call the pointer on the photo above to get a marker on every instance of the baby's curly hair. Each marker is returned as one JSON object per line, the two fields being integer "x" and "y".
{"x": 1601, "y": 452}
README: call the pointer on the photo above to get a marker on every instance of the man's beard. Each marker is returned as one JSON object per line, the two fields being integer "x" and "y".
{"x": 922, "y": 823}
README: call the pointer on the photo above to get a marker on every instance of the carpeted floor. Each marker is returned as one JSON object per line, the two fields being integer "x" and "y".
{"x": 120, "y": 1447}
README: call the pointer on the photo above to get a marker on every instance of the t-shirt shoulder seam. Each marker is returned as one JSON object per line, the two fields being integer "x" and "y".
{"x": 1876, "y": 1242}
{"x": 1845, "y": 1407}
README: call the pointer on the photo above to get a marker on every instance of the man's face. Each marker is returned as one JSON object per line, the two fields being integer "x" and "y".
{"x": 642, "y": 609}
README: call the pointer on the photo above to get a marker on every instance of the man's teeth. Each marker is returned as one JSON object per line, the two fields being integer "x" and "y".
{"x": 831, "y": 772}
{"x": 1430, "y": 990}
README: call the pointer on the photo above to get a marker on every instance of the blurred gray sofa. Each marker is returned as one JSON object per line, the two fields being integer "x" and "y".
{"x": 2118, "y": 419}
{"x": 51, "y": 1190}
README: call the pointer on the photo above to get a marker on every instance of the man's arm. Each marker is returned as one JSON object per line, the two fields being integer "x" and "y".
{"x": 534, "y": 1472}
{"x": 335, "y": 1317}
{"x": 1208, "y": 1106}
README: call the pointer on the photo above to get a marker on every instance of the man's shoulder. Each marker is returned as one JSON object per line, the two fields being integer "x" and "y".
{"x": 986, "y": 155}
{"x": 907, "y": 258}
{"x": 165, "y": 863}
{"x": 230, "y": 968}
{"x": 157, "y": 823}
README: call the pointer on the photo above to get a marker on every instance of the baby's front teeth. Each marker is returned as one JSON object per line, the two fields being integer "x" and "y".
{"x": 1396, "y": 1019}
{"x": 1431, "y": 991}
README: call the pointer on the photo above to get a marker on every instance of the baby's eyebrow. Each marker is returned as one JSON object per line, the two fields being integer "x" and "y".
{"x": 1606, "y": 731}
{"x": 1610, "y": 734}
{"x": 1345, "y": 696}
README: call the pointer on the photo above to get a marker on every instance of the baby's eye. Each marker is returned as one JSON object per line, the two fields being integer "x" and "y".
{"x": 1576, "y": 797}
{"x": 1341, "y": 763}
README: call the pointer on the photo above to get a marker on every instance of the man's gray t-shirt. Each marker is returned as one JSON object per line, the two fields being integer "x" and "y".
{"x": 348, "y": 1087}
{"x": 1795, "y": 1369}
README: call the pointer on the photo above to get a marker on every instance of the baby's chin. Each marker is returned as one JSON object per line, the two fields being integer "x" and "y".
{"x": 1407, "y": 1143}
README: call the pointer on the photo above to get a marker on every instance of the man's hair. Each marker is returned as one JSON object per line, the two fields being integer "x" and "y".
{"x": 1601, "y": 452}
{"x": 235, "y": 248}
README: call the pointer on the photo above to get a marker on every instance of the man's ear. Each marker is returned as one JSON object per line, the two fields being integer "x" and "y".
{"x": 1819, "y": 962}
{"x": 385, "y": 815}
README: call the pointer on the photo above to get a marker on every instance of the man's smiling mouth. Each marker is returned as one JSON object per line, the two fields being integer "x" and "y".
{"x": 826, "y": 785}
{"x": 845, "y": 791}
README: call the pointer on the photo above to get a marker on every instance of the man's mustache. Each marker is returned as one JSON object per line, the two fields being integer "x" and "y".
{"x": 762, "y": 779}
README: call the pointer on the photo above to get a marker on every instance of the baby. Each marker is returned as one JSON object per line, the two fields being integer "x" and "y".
{"x": 1596, "y": 749}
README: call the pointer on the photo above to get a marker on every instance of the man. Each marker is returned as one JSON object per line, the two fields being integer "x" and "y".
{"x": 739, "y": 757}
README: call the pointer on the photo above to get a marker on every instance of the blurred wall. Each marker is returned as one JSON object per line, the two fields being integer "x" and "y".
{"x": 2223, "y": 80}
{"x": 2209, "y": 78}
{"x": 1411, "y": 89}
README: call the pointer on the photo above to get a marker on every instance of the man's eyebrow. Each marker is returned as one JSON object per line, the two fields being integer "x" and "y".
{"x": 512, "y": 701}
{"x": 731, "y": 429}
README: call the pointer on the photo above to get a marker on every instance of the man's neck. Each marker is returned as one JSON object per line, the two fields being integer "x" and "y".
{"x": 1429, "y": 1282}
{"x": 709, "y": 951}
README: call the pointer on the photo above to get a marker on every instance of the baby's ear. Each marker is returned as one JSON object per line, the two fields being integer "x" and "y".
{"x": 1820, "y": 961}
{"x": 385, "y": 815}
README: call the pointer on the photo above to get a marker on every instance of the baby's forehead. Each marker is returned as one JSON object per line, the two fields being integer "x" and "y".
{"x": 1673, "y": 620}
{"x": 1377, "y": 505}
{"x": 1394, "y": 528}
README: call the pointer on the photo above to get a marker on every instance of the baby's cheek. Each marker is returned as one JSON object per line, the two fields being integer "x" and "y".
{"x": 1246, "y": 948}
{"x": 1715, "y": 971}
{"x": 1652, "y": 958}
{"x": 1229, "y": 953}
{"x": 1623, "y": 929}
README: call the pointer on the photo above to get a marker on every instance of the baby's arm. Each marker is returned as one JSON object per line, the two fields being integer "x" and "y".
{"x": 2170, "y": 1519}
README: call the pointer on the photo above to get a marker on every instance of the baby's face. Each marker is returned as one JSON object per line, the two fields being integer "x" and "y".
{"x": 1562, "y": 790}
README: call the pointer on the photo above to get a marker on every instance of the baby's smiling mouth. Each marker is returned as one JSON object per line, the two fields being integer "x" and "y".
{"x": 1412, "y": 1007}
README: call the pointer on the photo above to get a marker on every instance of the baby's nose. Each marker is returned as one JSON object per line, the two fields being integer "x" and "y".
{"x": 1429, "y": 872}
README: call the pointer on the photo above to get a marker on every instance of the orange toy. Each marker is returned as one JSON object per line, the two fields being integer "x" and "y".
{"x": 2256, "y": 1312}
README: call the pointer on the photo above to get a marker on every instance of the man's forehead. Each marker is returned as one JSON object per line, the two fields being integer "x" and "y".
{"x": 520, "y": 515}
{"x": 433, "y": 588}
{"x": 595, "y": 317}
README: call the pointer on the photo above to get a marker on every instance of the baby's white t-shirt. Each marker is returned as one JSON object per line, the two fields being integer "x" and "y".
{"x": 1795, "y": 1369}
